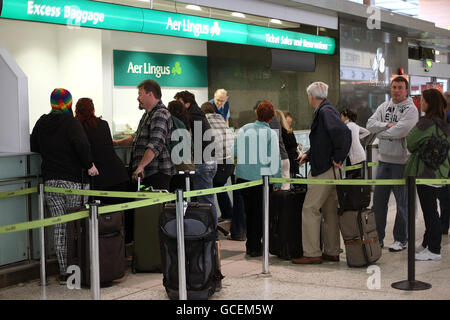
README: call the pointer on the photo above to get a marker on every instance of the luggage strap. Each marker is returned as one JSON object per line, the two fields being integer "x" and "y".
{"x": 353, "y": 243}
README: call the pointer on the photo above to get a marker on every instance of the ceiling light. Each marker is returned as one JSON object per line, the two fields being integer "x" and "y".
{"x": 437, "y": 52}
{"x": 437, "y": 61}
{"x": 193, "y": 7}
{"x": 238, "y": 15}
{"x": 276, "y": 21}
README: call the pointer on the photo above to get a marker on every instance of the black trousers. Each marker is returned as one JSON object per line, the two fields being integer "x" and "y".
{"x": 253, "y": 198}
{"x": 433, "y": 231}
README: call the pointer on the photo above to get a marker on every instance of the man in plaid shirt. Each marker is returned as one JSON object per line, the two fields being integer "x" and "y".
{"x": 150, "y": 156}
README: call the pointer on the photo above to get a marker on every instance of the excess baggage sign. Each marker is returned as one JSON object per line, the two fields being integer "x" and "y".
{"x": 169, "y": 70}
{"x": 103, "y": 15}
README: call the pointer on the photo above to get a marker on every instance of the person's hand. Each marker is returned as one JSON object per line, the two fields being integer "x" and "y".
{"x": 138, "y": 172}
{"x": 337, "y": 165}
{"x": 390, "y": 125}
{"x": 93, "y": 171}
{"x": 302, "y": 159}
{"x": 115, "y": 143}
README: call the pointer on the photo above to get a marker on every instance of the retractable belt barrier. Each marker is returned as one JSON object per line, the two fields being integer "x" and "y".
{"x": 157, "y": 198}
{"x": 93, "y": 209}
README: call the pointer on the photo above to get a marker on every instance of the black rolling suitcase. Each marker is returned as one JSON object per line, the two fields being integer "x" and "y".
{"x": 111, "y": 246}
{"x": 202, "y": 271}
{"x": 285, "y": 222}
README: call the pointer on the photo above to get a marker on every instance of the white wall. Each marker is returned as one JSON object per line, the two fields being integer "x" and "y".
{"x": 55, "y": 56}
{"x": 124, "y": 99}
{"x": 81, "y": 60}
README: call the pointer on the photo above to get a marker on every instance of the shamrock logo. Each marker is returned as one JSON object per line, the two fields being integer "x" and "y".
{"x": 176, "y": 69}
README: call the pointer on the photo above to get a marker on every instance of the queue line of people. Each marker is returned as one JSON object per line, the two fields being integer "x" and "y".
{"x": 69, "y": 144}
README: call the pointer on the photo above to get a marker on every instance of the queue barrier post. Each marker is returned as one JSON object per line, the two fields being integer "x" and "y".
{"x": 93, "y": 244}
{"x": 42, "y": 236}
{"x": 411, "y": 284}
{"x": 182, "y": 292}
{"x": 265, "y": 224}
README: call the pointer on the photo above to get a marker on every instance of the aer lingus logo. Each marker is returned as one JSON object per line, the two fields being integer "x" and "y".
{"x": 177, "y": 69}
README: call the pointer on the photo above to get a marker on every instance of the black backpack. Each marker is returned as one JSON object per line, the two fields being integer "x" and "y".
{"x": 434, "y": 151}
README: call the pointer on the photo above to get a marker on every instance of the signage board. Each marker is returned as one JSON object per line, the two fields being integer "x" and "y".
{"x": 103, "y": 15}
{"x": 169, "y": 70}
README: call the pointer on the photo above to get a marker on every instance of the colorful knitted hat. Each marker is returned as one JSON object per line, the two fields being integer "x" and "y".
{"x": 61, "y": 99}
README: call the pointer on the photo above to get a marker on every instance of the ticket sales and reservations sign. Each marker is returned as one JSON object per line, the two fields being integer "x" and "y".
{"x": 170, "y": 70}
{"x": 102, "y": 15}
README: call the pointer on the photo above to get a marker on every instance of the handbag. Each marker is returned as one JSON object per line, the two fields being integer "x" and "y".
{"x": 352, "y": 197}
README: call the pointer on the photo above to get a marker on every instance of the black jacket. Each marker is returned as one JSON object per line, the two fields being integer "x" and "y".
{"x": 111, "y": 169}
{"x": 330, "y": 139}
{"x": 63, "y": 145}
{"x": 290, "y": 143}
{"x": 197, "y": 115}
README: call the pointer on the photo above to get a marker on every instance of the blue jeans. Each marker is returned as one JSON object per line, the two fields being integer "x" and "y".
{"x": 203, "y": 179}
{"x": 381, "y": 199}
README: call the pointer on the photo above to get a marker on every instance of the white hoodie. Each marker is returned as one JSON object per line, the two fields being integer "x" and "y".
{"x": 392, "y": 141}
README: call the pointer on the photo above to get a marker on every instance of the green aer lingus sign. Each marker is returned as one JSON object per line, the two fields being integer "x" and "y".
{"x": 117, "y": 17}
{"x": 170, "y": 70}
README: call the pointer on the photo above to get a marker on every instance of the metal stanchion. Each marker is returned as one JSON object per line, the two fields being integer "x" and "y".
{"x": 265, "y": 224}
{"x": 411, "y": 284}
{"x": 182, "y": 292}
{"x": 93, "y": 245}
{"x": 42, "y": 235}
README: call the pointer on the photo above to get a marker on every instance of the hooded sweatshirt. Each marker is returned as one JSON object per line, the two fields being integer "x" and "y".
{"x": 63, "y": 145}
{"x": 392, "y": 141}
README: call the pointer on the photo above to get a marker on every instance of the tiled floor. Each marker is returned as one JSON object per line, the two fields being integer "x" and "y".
{"x": 244, "y": 279}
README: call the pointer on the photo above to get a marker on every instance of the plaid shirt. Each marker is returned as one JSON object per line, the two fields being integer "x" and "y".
{"x": 223, "y": 136}
{"x": 154, "y": 131}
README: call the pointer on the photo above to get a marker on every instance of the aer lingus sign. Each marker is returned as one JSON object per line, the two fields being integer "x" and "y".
{"x": 170, "y": 70}
{"x": 104, "y": 15}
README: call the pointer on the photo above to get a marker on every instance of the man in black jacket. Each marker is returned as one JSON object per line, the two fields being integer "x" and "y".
{"x": 65, "y": 151}
{"x": 330, "y": 141}
{"x": 205, "y": 163}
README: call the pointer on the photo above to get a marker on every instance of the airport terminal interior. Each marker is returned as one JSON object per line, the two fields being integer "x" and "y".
{"x": 258, "y": 51}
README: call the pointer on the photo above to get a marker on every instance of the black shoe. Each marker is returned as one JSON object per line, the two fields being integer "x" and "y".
{"x": 62, "y": 278}
{"x": 255, "y": 253}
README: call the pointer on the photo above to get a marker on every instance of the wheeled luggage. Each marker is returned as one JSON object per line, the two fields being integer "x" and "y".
{"x": 358, "y": 229}
{"x": 285, "y": 222}
{"x": 353, "y": 197}
{"x": 147, "y": 254}
{"x": 202, "y": 270}
{"x": 111, "y": 244}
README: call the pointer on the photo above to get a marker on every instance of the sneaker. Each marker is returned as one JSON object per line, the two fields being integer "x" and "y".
{"x": 419, "y": 248}
{"x": 397, "y": 246}
{"x": 427, "y": 255}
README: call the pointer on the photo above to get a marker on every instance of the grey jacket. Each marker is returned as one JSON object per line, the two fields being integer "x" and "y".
{"x": 392, "y": 141}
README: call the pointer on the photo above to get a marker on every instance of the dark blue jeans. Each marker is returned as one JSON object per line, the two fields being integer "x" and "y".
{"x": 381, "y": 200}
{"x": 224, "y": 171}
{"x": 203, "y": 179}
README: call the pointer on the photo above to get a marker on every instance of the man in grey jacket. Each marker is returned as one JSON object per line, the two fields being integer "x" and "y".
{"x": 392, "y": 122}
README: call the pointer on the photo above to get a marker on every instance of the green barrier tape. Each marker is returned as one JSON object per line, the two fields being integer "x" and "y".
{"x": 382, "y": 182}
{"x": 238, "y": 186}
{"x": 44, "y": 222}
{"x": 359, "y": 166}
{"x": 9, "y": 194}
{"x": 100, "y": 193}
{"x": 433, "y": 181}
{"x": 83, "y": 214}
